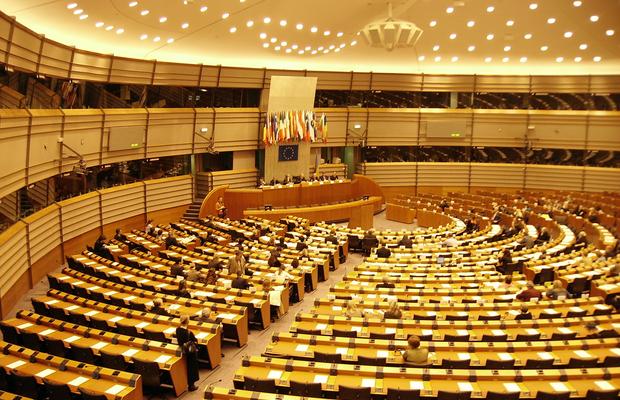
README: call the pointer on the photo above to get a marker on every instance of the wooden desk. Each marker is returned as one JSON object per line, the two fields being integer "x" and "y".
{"x": 399, "y": 213}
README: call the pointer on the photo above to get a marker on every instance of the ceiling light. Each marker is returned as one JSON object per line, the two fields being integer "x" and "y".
{"x": 391, "y": 33}
{"x": 78, "y": 11}
{"x": 436, "y": 47}
{"x": 204, "y": 9}
{"x": 568, "y": 34}
{"x": 249, "y": 24}
{"x": 421, "y": 58}
{"x": 283, "y": 44}
{"x": 144, "y": 12}
{"x": 544, "y": 48}
{"x": 308, "y": 48}
{"x": 332, "y": 47}
{"x": 266, "y": 20}
{"x": 320, "y": 48}
{"x": 225, "y": 15}
{"x": 510, "y": 22}
{"x": 533, "y": 6}
{"x": 163, "y": 19}
{"x": 300, "y": 52}
{"x": 559, "y": 59}
{"x": 156, "y": 39}
{"x": 326, "y": 33}
{"x": 120, "y": 31}
{"x": 265, "y": 45}
{"x": 277, "y": 48}
{"x": 71, "y": 6}
{"x": 471, "y": 23}
{"x": 527, "y": 36}
{"x": 507, "y": 48}
{"x": 583, "y": 46}
{"x": 273, "y": 40}
{"x": 450, "y": 10}
{"x": 133, "y": 3}
{"x": 185, "y": 25}
{"x": 594, "y": 18}
{"x": 109, "y": 27}
{"x": 454, "y": 59}
{"x": 523, "y": 59}
{"x": 314, "y": 29}
{"x": 83, "y": 16}
{"x": 577, "y": 59}
{"x": 299, "y": 27}
{"x": 551, "y": 20}
{"x": 452, "y": 36}
{"x": 263, "y": 35}
{"x": 288, "y": 50}
{"x": 282, "y": 22}
{"x": 339, "y": 34}
{"x": 342, "y": 45}
{"x": 325, "y": 51}
{"x": 432, "y": 23}
{"x": 471, "y": 48}
{"x": 171, "y": 40}
{"x": 577, "y": 3}
{"x": 505, "y": 59}
{"x": 233, "y": 29}
{"x": 144, "y": 36}
{"x": 337, "y": 51}
{"x": 596, "y": 58}
{"x": 437, "y": 58}
{"x": 99, "y": 24}
{"x": 490, "y": 36}
{"x": 487, "y": 59}
{"x": 490, "y": 9}
{"x": 609, "y": 32}
{"x": 294, "y": 47}
{"x": 313, "y": 51}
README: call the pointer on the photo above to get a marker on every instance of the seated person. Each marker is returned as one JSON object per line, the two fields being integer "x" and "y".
{"x": 207, "y": 315}
{"x": 507, "y": 282}
{"x": 100, "y": 246}
{"x": 415, "y": 355}
{"x": 582, "y": 239}
{"x": 261, "y": 182}
{"x": 193, "y": 275}
{"x": 176, "y": 269}
{"x": 383, "y": 252}
{"x": 301, "y": 244}
{"x": 334, "y": 176}
{"x": 239, "y": 282}
{"x": 182, "y": 289}
{"x": 614, "y": 270}
{"x": 353, "y": 310}
{"x": 287, "y": 179}
{"x": 282, "y": 272}
{"x": 370, "y": 234}
{"x": 505, "y": 259}
{"x": 525, "y": 313}
{"x": 215, "y": 263}
{"x": 544, "y": 236}
{"x": 149, "y": 227}
{"x": 393, "y": 312}
{"x": 557, "y": 291}
{"x": 171, "y": 240}
{"x": 220, "y": 207}
{"x": 405, "y": 241}
{"x": 210, "y": 278}
{"x": 529, "y": 293}
{"x": 450, "y": 242}
{"x": 158, "y": 308}
{"x": 385, "y": 284}
{"x": 332, "y": 238}
{"x": 119, "y": 235}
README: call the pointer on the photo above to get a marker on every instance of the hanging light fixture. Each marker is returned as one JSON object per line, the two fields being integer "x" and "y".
{"x": 391, "y": 33}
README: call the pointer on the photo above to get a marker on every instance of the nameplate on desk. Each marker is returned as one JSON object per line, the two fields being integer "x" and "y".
{"x": 130, "y": 352}
{"x": 116, "y": 389}
{"x": 71, "y": 339}
{"x": 142, "y": 325}
{"x": 99, "y": 345}
{"x": 16, "y": 364}
{"x": 24, "y": 326}
{"x": 512, "y": 387}
{"x": 47, "y": 332}
{"x": 116, "y": 319}
{"x": 78, "y": 381}
{"x": 163, "y": 359}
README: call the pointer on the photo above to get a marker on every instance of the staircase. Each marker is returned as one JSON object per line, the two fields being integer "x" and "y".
{"x": 192, "y": 211}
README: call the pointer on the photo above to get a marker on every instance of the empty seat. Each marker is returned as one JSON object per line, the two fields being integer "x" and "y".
{"x": 563, "y": 336}
{"x": 39, "y": 307}
{"x": 128, "y": 330}
{"x": 338, "y": 332}
{"x": 582, "y": 363}
{"x": 446, "y": 395}
{"x": 402, "y": 394}
{"x": 552, "y": 396}
{"x": 327, "y": 357}
{"x": 113, "y": 361}
{"x": 600, "y": 395}
{"x": 26, "y": 385}
{"x": 58, "y": 391}
{"x": 455, "y": 364}
{"x": 55, "y": 347}
{"x": 306, "y": 389}
{"x": 259, "y": 385}
{"x": 371, "y": 361}
{"x": 503, "y": 396}
{"x": 151, "y": 375}
{"x": 500, "y": 364}
{"x": 384, "y": 336}
{"x": 80, "y": 319}
{"x": 31, "y": 340}
{"x": 538, "y": 364}
{"x": 309, "y": 331}
{"x": 89, "y": 395}
{"x": 83, "y": 354}
{"x": 353, "y": 393}
{"x": 10, "y": 334}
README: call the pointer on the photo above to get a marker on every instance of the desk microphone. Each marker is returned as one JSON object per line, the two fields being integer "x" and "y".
{"x": 214, "y": 382}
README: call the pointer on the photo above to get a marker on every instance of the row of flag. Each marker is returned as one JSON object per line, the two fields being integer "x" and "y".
{"x": 293, "y": 126}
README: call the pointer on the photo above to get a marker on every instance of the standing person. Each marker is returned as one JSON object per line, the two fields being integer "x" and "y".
{"x": 220, "y": 207}
{"x": 187, "y": 342}
{"x": 236, "y": 264}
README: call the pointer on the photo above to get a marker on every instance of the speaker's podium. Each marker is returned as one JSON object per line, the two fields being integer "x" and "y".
{"x": 362, "y": 217}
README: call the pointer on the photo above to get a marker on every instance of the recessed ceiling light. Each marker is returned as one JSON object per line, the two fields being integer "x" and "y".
{"x": 437, "y": 58}
{"x": 353, "y": 43}
{"x": 109, "y": 27}
{"x": 265, "y": 45}
{"x": 533, "y": 6}
{"x": 332, "y": 47}
{"x": 283, "y": 44}
{"x": 490, "y": 9}
{"x": 156, "y": 39}
{"x": 249, "y": 24}
{"x": 421, "y": 58}
{"x": 320, "y": 48}
{"x": 204, "y": 8}
{"x": 471, "y": 48}
{"x": 185, "y": 25}
{"x": 273, "y": 40}
{"x": 432, "y": 23}
{"x": 99, "y": 24}
{"x": 144, "y": 36}
{"x": 490, "y": 36}
{"x": 133, "y": 3}
{"x": 568, "y": 34}
{"x": 610, "y": 32}
{"x": 594, "y": 18}
{"x": 266, "y": 20}
{"x": 471, "y": 23}
{"x": 288, "y": 51}
{"x": 510, "y": 22}
{"x": 523, "y": 59}
{"x": 450, "y": 10}
{"x": 596, "y": 58}
{"x": 342, "y": 45}
{"x": 505, "y": 59}
{"x": 551, "y": 20}
{"x": 339, "y": 34}
{"x": 283, "y": 22}
{"x": 452, "y": 36}
{"x": 171, "y": 40}
{"x": 71, "y": 6}
{"x": 277, "y": 48}
{"x": 527, "y": 36}
{"x": 78, "y": 11}
{"x": 577, "y": 3}
{"x": 233, "y": 29}
{"x": 225, "y": 15}
{"x": 487, "y": 59}
{"x": 559, "y": 59}
{"x": 454, "y": 59}
{"x": 507, "y": 48}
{"x": 263, "y": 35}
{"x": 163, "y": 19}
{"x": 583, "y": 46}
{"x": 120, "y": 31}
{"x": 307, "y": 48}
{"x": 83, "y": 16}
{"x": 314, "y": 29}
{"x": 577, "y": 59}
{"x": 326, "y": 33}
{"x": 299, "y": 27}
{"x": 301, "y": 52}
{"x": 325, "y": 51}
{"x": 544, "y": 48}
{"x": 294, "y": 47}
{"x": 436, "y": 47}
{"x": 144, "y": 12}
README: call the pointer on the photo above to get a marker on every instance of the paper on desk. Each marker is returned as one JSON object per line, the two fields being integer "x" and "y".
{"x": 16, "y": 364}
{"x": 416, "y": 385}
{"x": 321, "y": 326}
{"x": 337, "y": 308}
{"x": 226, "y": 316}
{"x": 583, "y": 354}
{"x": 465, "y": 387}
{"x": 559, "y": 387}
{"x": 91, "y": 313}
{"x": 116, "y": 389}
{"x": 170, "y": 331}
{"x": 368, "y": 382}
{"x": 25, "y": 325}
{"x": 45, "y": 372}
{"x": 382, "y": 353}
{"x": 47, "y": 332}
{"x": 565, "y": 330}
{"x": 505, "y": 356}
{"x": 71, "y": 339}
{"x": 71, "y": 308}
{"x": 544, "y": 355}
{"x": 427, "y": 332}
{"x": 390, "y": 330}
{"x": 130, "y": 352}
{"x": 532, "y": 331}
{"x": 498, "y": 332}
{"x": 512, "y": 387}
{"x": 356, "y": 329}
{"x": 78, "y": 381}
{"x": 163, "y": 359}
{"x": 174, "y": 306}
{"x": 142, "y": 325}
{"x": 464, "y": 356}
{"x": 604, "y": 385}
{"x": 201, "y": 335}
{"x": 320, "y": 378}
{"x": 115, "y": 319}
{"x": 99, "y": 345}
{"x": 51, "y": 302}
{"x": 301, "y": 347}
{"x": 274, "y": 374}
{"x": 275, "y": 299}
{"x": 341, "y": 350}
{"x": 462, "y": 332}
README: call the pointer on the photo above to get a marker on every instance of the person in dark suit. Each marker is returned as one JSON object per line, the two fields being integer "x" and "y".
{"x": 525, "y": 313}
{"x": 158, "y": 308}
{"x": 383, "y": 252}
{"x": 301, "y": 244}
{"x": 184, "y": 338}
{"x": 405, "y": 241}
{"x": 240, "y": 283}
{"x": 393, "y": 312}
{"x": 544, "y": 236}
{"x": 176, "y": 269}
{"x": 385, "y": 284}
{"x": 171, "y": 240}
{"x": 370, "y": 234}
{"x": 215, "y": 263}
{"x": 118, "y": 235}
{"x": 529, "y": 293}
{"x": 504, "y": 260}
{"x": 332, "y": 238}
{"x": 99, "y": 245}
{"x": 182, "y": 289}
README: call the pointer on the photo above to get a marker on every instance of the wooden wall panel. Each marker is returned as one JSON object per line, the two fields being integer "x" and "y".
{"x": 126, "y": 225}
{"x": 170, "y": 132}
{"x": 603, "y": 131}
{"x": 49, "y": 262}
{"x": 132, "y": 71}
{"x": 456, "y": 117}
{"x": 552, "y": 177}
{"x": 122, "y": 202}
{"x": 168, "y": 193}
{"x": 13, "y": 260}
{"x": 241, "y": 78}
{"x": 493, "y": 128}
{"x": 448, "y": 83}
{"x": 560, "y": 130}
{"x": 44, "y": 147}
{"x": 82, "y": 132}
{"x": 91, "y": 66}
{"x": 43, "y": 232}
{"x": 602, "y": 180}
{"x": 390, "y": 174}
{"x": 14, "y": 136}
{"x": 381, "y": 81}
{"x": 55, "y": 59}
{"x": 236, "y": 179}
{"x": 79, "y": 215}
{"x": 237, "y": 129}
{"x": 503, "y": 83}
{"x": 168, "y": 215}
{"x": 336, "y": 127}
{"x": 392, "y": 127}
{"x": 567, "y": 84}
{"x": 443, "y": 174}
{"x": 167, "y": 73}
{"x": 497, "y": 175}
{"x": 24, "y": 49}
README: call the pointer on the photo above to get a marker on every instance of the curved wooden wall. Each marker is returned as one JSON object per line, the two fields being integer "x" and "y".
{"x": 208, "y": 204}
{"x": 37, "y": 244}
{"x": 23, "y": 49}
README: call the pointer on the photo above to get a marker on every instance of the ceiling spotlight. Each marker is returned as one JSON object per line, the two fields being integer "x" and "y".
{"x": 288, "y": 51}
{"x": 185, "y": 25}
{"x": 471, "y": 48}
{"x": 551, "y": 20}
{"x": 353, "y": 43}
{"x": 156, "y": 39}
{"x": 332, "y": 47}
{"x": 300, "y": 52}
{"x": 294, "y": 47}
{"x": 510, "y": 22}
{"x": 596, "y": 59}
{"x": 339, "y": 34}
{"x": 78, "y": 11}
{"x": 313, "y": 51}
{"x": 533, "y": 6}
{"x": 577, "y": 59}
{"x": 325, "y": 51}
{"x": 437, "y": 58}
{"x": 568, "y": 34}
{"x": 144, "y": 12}
{"x": 490, "y": 9}
{"x": 263, "y": 35}
{"x": 283, "y": 22}
{"x": 450, "y": 10}
{"x": 527, "y": 36}
{"x": 133, "y": 3}
{"x": 577, "y": 3}
{"x": 454, "y": 59}
{"x": 225, "y": 15}
{"x": 436, "y": 47}
{"x": 327, "y": 33}
{"x": 120, "y": 31}
{"x": 277, "y": 48}
{"x": 487, "y": 59}
{"x": 144, "y": 36}
{"x": 314, "y": 29}
{"x": 391, "y": 33}
{"x": 71, "y": 6}
{"x": 471, "y": 23}
{"x": 421, "y": 58}
{"x": 265, "y": 45}
{"x": 505, "y": 59}
{"x": 432, "y": 23}
{"x": 266, "y": 20}
{"x": 583, "y": 46}
{"x": 307, "y": 48}
{"x": 544, "y": 48}
{"x": 490, "y": 36}
{"x": 337, "y": 50}
{"x": 609, "y": 32}
{"x": 320, "y": 48}
{"x": 283, "y": 44}
{"x": 299, "y": 27}
{"x": 507, "y": 48}
{"x": 452, "y": 36}
{"x": 523, "y": 59}
{"x": 171, "y": 40}
{"x": 99, "y": 24}
{"x": 204, "y": 9}
{"x": 233, "y": 29}
{"x": 594, "y": 18}
{"x": 109, "y": 27}
{"x": 163, "y": 19}
{"x": 249, "y": 24}
{"x": 559, "y": 59}
{"x": 83, "y": 16}
{"x": 273, "y": 40}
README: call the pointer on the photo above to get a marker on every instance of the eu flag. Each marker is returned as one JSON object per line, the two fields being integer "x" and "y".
{"x": 288, "y": 152}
